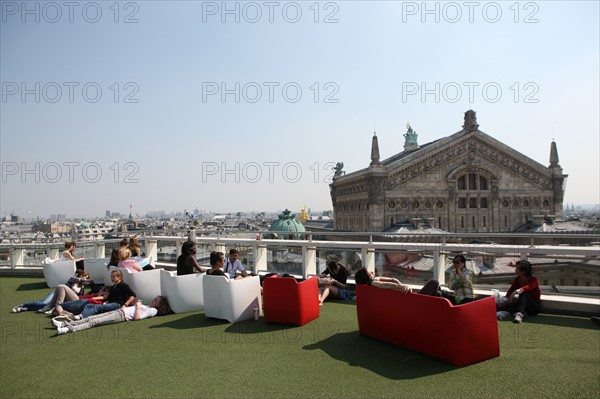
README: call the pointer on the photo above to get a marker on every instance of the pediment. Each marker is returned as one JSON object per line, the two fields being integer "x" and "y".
{"x": 473, "y": 151}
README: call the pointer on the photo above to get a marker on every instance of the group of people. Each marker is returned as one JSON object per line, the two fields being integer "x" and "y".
{"x": 74, "y": 311}
{"x": 127, "y": 255}
{"x": 220, "y": 265}
{"x": 522, "y": 299}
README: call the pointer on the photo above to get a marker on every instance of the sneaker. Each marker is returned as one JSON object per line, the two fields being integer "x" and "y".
{"x": 45, "y": 309}
{"x": 17, "y": 309}
{"x": 62, "y": 330}
{"x": 58, "y": 323}
{"x": 49, "y": 311}
{"x": 518, "y": 317}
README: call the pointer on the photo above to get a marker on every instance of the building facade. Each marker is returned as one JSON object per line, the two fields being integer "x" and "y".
{"x": 467, "y": 182}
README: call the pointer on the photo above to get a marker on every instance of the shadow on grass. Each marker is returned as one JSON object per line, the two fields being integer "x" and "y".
{"x": 387, "y": 360}
{"x": 193, "y": 320}
{"x": 32, "y": 286}
{"x": 560, "y": 321}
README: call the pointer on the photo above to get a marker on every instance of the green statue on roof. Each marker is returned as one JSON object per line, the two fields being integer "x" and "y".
{"x": 410, "y": 137}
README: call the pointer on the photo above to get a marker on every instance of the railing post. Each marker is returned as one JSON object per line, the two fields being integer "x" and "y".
{"x": 100, "y": 251}
{"x": 53, "y": 253}
{"x": 439, "y": 262}
{"x": 368, "y": 258}
{"x": 220, "y": 247}
{"x": 17, "y": 257}
{"x": 309, "y": 261}
{"x": 260, "y": 258}
{"x": 152, "y": 250}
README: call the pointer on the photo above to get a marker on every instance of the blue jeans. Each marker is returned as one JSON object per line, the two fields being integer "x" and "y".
{"x": 91, "y": 309}
{"x": 74, "y": 307}
{"x": 37, "y": 305}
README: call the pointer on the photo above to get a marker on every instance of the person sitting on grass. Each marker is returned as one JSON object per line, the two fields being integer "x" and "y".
{"x": 69, "y": 291}
{"x": 523, "y": 296}
{"x": 120, "y": 295}
{"x": 335, "y": 286}
{"x": 158, "y": 307}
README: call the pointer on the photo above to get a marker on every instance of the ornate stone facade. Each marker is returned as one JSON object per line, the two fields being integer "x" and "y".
{"x": 467, "y": 182}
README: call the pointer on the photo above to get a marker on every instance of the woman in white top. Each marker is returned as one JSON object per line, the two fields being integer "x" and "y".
{"x": 67, "y": 255}
{"x": 158, "y": 307}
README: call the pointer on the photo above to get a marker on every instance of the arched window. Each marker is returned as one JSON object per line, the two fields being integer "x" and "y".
{"x": 473, "y": 191}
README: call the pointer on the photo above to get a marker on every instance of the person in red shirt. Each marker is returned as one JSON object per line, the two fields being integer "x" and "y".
{"x": 523, "y": 296}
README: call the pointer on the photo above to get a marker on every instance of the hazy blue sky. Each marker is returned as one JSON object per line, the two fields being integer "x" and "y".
{"x": 247, "y": 105}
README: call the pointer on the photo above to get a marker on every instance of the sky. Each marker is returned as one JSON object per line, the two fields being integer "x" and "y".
{"x": 247, "y": 106}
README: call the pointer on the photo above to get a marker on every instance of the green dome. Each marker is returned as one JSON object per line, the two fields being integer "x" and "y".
{"x": 286, "y": 224}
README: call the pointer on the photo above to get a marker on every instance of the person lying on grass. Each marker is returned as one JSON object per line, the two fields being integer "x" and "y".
{"x": 158, "y": 307}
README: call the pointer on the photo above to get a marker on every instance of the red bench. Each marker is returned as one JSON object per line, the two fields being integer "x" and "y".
{"x": 461, "y": 334}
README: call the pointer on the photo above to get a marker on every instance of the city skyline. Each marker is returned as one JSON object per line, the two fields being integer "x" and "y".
{"x": 245, "y": 106}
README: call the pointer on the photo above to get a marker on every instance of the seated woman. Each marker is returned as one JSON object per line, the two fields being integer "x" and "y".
{"x": 334, "y": 287}
{"x": 126, "y": 262}
{"x": 67, "y": 255}
{"x": 217, "y": 260}
{"x": 114, "y": 255}
{"x": 70, "y": 291}
{"x": 461, "y": 281}
{"x": 523, "y": 296}
{"x": 186, "y": 262}
{"x": 136, "y": 252}
{"x": 158, "y": 307}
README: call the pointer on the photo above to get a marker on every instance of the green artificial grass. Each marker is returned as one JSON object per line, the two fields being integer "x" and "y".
{"x": 187, "y": 355}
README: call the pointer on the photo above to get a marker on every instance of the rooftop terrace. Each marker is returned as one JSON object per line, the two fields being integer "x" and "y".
{"x": 187, "y": 355}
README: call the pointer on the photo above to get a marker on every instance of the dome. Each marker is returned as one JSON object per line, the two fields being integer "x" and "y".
{"x": 286, "y": 224}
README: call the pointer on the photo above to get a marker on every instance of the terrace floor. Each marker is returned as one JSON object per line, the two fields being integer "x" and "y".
{"x": 187, "y": 355}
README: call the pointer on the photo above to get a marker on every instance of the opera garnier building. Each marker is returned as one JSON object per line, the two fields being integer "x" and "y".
{"x": 467, "y": 182}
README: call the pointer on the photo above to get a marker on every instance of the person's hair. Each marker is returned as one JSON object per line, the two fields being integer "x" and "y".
{"x": 120, "y": 273}
{"x": 124, "y": 253}
{"x": 69, "y": 243}
{"x": 133, "y": 243}
{"x": 335, "y": 267}
{"x": 362, "y": 276}
{"x": 234, "y": 251}
{"x": 186, "y": 247}
{"x": 460, "y": 258}
{"x": 215, "y": 257}
{"x": 525, "y": 267}
{"x": 163, "y": 306}
{"x": 124, "y": 242}
{"x": 82, "y": 274}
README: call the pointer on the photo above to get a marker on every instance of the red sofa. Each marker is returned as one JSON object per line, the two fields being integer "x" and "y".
{"x": 287, "y": 301}
{"x": 461, "y": 334}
